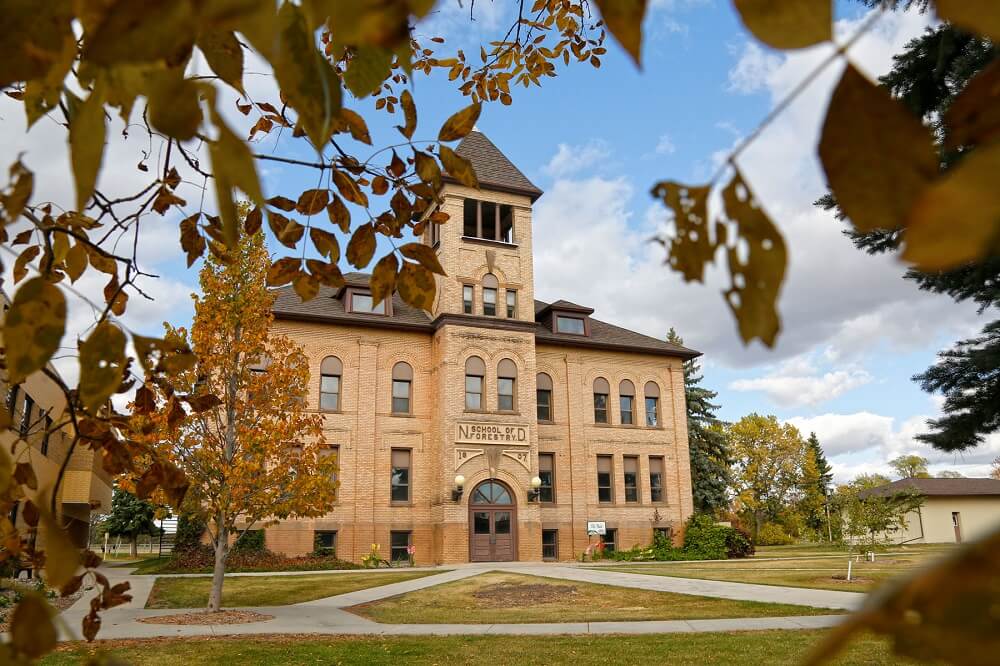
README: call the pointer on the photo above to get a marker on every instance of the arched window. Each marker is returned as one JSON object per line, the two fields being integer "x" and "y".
{"x": 652, "y": 393}
{"x": 475, "y": 371}
{"x": 626, "y": 401}
{"x": 491, "y": 492}
{"x": 490, "y": 287}
{"x": 506, "y": 385}
{"x": 330, "y": 371}
{"x": 402, "y": 381}
{"x": 601, "y": 392}
{"x": 543, "y": 386}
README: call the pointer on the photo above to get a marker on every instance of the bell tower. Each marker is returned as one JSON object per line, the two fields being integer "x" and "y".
{"x": 485, "y": 247}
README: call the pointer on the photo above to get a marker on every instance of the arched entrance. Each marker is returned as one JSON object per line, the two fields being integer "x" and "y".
{"x": 492, "y": 523}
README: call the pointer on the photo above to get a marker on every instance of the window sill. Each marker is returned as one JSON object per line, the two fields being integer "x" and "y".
{"x": 541, "y": 422}
{"x": 508, "y": 412}
{"x": 330, "y": 411}
{"x": 401, "y": 504}
{"x": 403, "y": 415}
{"x": 488, "y": 241}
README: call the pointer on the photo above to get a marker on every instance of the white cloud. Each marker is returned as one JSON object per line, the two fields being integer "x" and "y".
{"x": 753, "y": 70}
{"x": 797, "y": 382}
{"x": 665, "y": 145}
{"x": 572, "y": 159}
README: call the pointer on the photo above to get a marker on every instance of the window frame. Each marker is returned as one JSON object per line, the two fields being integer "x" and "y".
{"x": 610, "y": 545}
{"x": 468, "y": 304}
{"x": 332, "y": 549}
{"x": 610, "y": 486}
{"x": 339, "y": 375}
{"x": 657, "y": 487}
{"x": 507, "y": 372}
{"x": 626, "y": 395}
{"x": 551, "y": 471}
{"x": 651, "y": 391}
{"x": 603, "y": 389}
{"x": 636, "y": 488}
{"x": 393, "y": 485}
{"x": 393, "y": 548}
{"x": 475, "y": 368}
{"x": 554, "y": 533}
{"x": 511, "y": 308}
{"x": 566, "y": 317}
{"x": 402, "y": 374}
{"x": 384, "y": 304}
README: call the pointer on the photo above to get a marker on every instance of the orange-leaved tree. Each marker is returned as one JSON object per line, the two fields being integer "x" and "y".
{"x": 251, "y": 450}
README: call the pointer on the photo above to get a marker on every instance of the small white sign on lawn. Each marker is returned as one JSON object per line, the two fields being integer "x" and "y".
{"x": 596, "y": 527}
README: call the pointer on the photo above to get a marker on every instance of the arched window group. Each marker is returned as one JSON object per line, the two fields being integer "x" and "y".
{"x": 475, "y": 382}
{"x": 626, "y": 402}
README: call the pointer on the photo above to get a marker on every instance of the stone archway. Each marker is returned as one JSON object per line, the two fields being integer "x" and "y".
{"x": 492, "y": 523}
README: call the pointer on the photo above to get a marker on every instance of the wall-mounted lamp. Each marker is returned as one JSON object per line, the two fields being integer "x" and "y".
{"x": 533, "y": 494}
{"x": 456, "y": 494}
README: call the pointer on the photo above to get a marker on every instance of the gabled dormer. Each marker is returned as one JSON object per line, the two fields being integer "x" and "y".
{"x": 485, "y": 246}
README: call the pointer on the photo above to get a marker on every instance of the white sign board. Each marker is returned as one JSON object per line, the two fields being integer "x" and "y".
{"x": 596, "y": 527}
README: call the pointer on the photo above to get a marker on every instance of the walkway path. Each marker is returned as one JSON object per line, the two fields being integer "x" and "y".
{"x": 327, "y": 616}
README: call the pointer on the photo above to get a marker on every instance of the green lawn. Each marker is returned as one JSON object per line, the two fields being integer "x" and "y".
{"x": 824, "y": 549}
{"x": 817, "y": 572}
{"x": 239, "y": 591}
{"x": 515, "y": 598}
{"x": 774, "y": 648}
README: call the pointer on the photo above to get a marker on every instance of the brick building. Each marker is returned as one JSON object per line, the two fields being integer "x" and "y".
{"x": 496, "y": 426}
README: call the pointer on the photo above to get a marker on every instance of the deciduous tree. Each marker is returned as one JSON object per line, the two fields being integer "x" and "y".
{"x": 873, "y": 518}
{"x": 910, "y": 467}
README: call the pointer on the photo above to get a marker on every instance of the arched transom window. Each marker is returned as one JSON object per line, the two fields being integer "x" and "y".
{"x": 491, "y": 492}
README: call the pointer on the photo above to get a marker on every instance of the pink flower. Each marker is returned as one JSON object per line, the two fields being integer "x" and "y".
{"x": 411, "y": 549}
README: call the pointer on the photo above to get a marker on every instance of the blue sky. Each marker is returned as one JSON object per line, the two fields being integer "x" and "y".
{"x": 596, "y": 141}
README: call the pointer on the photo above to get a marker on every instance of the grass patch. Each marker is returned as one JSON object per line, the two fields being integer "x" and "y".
{"x": 775, "y": 648}
{"x": 506, "y": 598}
{"x": 253, "y": 563}
{"x": 817, "y": 573}
{"x": 824, "y": 549}
{"x": 267, "y": 590}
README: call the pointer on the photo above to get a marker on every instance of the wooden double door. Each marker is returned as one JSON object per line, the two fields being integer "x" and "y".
{"x": 492, "y": 523}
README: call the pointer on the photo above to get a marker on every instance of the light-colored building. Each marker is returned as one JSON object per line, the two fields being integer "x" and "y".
{"x": 954, "y": 510}
{"x": 443, "y": 420}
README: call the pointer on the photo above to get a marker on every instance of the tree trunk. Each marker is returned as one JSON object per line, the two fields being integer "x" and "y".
{"x": 758, "y": 523}
{"x": 133, "y": 547}
{"x": 219, "y": 572}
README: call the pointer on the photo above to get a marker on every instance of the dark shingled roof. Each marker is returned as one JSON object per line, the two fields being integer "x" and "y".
{"x": 947, "y": 487}
{"x": 327, "y": 307}
{"x": 492, "y": 167}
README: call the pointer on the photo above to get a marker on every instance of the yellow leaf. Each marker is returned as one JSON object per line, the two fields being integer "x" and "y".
{"x": 102, "y": 358}
{"x": 788, "y": 24}
{"x": 62, "y": 558}
{"x": 383, "y": 280}
{"x": 6, "y": 468}
{"x": 326, "y": 244}
{"x": 32, "y": 632}
{"x": 33, "y": 37}
{"x": 424, "y": 254}
{"x": 458, "y": 167}
{"x": 326, "y": 273}
{"x": 33, "y": 328}
{"x": 76, "y": 261}
{"x": 86, "y": 143}
{"x": 978, "y": 16}
{"x": 691, "y": 247}
{"x": 416, "y": 286}
{"x": 956, "y": 220}
{"x": 224, "y": 55}
{"x": 877, "y": 155}
{"x": 756, "y": 283}
{"x": 361, "y": 246}
{"x": 20, "y": 270}
{"x": 349, "y": 188}
{"x": 460, "y": 124}
{"x": 367, "y": 69}
{"x": 409, "y": 114}
{"x": 174, "y": 108}
{"x": 974, "y": 116}
{"x": 624, "y": 20}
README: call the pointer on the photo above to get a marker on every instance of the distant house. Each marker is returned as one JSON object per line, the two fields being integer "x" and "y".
{"x": 954, "y": 510}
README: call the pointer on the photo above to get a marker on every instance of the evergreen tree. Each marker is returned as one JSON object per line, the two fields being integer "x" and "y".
{"x": 927, "y": 76}
{"x": 817, "y": 476}
{"x": 130, "y": 517}
{"x": 707, "y": 443}
{"x": 822, "y": 466}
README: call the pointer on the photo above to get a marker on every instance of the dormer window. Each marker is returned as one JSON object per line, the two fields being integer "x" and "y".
{"x": 362, "y": 303}
{"x": 574, "y": 325}
{"x": 488, "y": 220}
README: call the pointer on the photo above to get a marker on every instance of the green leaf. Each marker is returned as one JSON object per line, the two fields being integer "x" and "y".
{"x": 788, "y": 24}
{"x": 224, "y": 55}
{"x": 624, "y": 20}
{"x": 458, "y": 167}
{"x": 877, "y": 155}
{"x": 416, "y": 286}
{"x": 424, "y": 254}
{"x": 460, "y": 123}
{"x": 367, "y": 69}
{"x": 33, "y": 328}
{"x": 86, "y": 143}
{"x": 102, "y": 358}
{"x": 361, "y": 247}
{"x": 979, "y": 16}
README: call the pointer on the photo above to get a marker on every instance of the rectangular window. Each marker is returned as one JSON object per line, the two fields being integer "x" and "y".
{"x": 511, "y": 304}
{"x": 29, "y": 406}
{"x": 363, "y": 303}
{"x": 652, "y": 412}
{"x": 550, "y": 544}
{"x": 505, "y": 394}
{"x": 399, "y": 546}
{"x": 329, "y": 392}
{"x": 626, "y": 402}
{"x": 610, "y": 540}
{"x": 473, "y": 392}
{"x": 467, "y": 298}
{"x": 605, "y": 474}
{"x": 600, "y": 408}
{"x": 544, "y": 403}
{"x": 489, "y": 301}
{"x": 506, "y": 224}
{"x": 325, "y": 542}
{"x": 45, "y": 437}
{"x": 546, "y": 472}
{"x": 572, "y": 325}
{"x": 400, "y": 397}
{"x": 489, "y": 220}
{"x": 656, "y": 478}
{"x": 400, "y": 476}
{"x": 470, "y": 218}
{"x": 12, "y": 399}
{"x": 630, "y": 465}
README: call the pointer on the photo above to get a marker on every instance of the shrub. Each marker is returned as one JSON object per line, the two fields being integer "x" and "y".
{"x": 705, "y": 540}
{"x": 738, "y": 543}
{"x": 251, "y": 541}
{"x": 772, "y": 534}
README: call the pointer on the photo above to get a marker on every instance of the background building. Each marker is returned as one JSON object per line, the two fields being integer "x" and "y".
{"x": 491, "y": 389}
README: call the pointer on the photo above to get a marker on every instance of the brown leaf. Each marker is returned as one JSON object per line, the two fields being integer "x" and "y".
{"x": 86, "y": 142}
{"x": 974, "y": 116}
{"x": 409, "y": 114}
{"x": 287, "y": 231}
{"x": 102, "y": 358}
{"x": 427, "y": 169}
{"x": 690, "y": 247}
{"x": 306, "y": 286}
{"x": 424, "y": 254}
{"x": 788, "y": 24}
{"x": 326, "y": 243}
{"x": 165, "y": 199}
{"x": 458, "y": 167}
{"x": 101, "y": 261}
{"x": 416, "y": 286}
{"x": 62, "y": 558}
{"x": 28, "y": 255}
{"x": 361, "y": 246}
{"x": 339, "y": 214}
{"x": 327, "y": 273}
{"x": 312, "y": 201}
{"x": 383, "y": 280}
{"x": 979, "y": 16}
{"x": 76, "y": 261}
{"x": 140, "y": 32}
{"x": 460, "y": 123}
{"x": 349, "y": 188}
{"x": 145, "y": 400}
{"x": 877, "y": 155}
{"x": 32, "y": 632}
{"x": 380, "y": 185}
{"x": 253, "y": 221}
{"x": 192, "y": 241}
{"x": 397, "y": 167}
{"x": 356, "y": 126}
{"x": 956, "y": 220}
{"x": 624, "y": 20}
{"x": 24, "y": 474}
{"x": 283, "y": 271}
{"x": 33, "y": 328}
{"x": 203, "y": 402}
{"x": 281, "y": 203}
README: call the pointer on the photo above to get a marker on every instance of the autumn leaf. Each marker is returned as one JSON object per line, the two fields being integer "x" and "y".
{"x": 349, "y": 189}
{"x": 424, "y": 255}
{"x": 32, "y": 632}
{"x": 327, "y": 273}
{"x": 383, "y": 279}
{"x": 312, "y": 201}
{"x": 62, "y": 558}
{"x": 974, "y": 115}
{"x": 132, "y": 32}
{"x": 253, "y": 221}
{"x": 33, "y": 328}
{"x": 28, "y": 255}
{"x": 978, "y": 16}
{"x": 460, "y": 124}
{"x": 76, "y": 261}
{"x": 361, "y": 246}
{"x": 86, "y": 142}
{"x": 367, "y": 69}
{"x": 409, "y": 114}
{"x": 174, "y": 106}
{"x": 690, "y": 246}
{"x": 281, "y": 203}
{"x": 458, "y": 167}
{"x": 306, "y": 286}
{"x": 416, "y": 286}
{"x": 224, "y": 55}
{"x": 34, "y": 35}
{"x": 338, "y": 213}
{"x": 287, "y": 231}
{"x": 234, "y": 167}
{"x": 624, "y": 20}
{"x": 192, "y": 241}
{"x": 283, "y": 271}
{"x": 788, "y": 24}
{"x": 102, "y": 357}
{"x": 427, "y": 169}
{"x": 356, "y": 126}
{"x": 325, "y": 243}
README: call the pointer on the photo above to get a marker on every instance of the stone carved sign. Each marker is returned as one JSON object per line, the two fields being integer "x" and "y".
{"x": 492, "y": 433}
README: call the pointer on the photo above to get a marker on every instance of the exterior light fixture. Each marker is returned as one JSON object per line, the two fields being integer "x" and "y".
{"x": 456, "y": 493}
{"x": 533, "y": 494}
